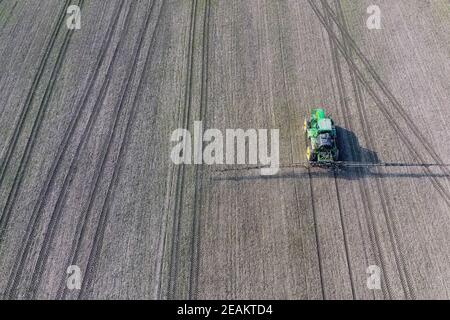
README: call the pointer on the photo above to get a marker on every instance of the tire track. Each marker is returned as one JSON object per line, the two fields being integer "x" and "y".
{"x": 31, "y": 228}
{"x": 374, "y": 235}
{"x": 316, "y": 232}
{"x": 81, "y": 227}
{"x": 99, "y": 235}
{"x": 344, "y": 236}
{"x": 299, "y": 219}
{"x": 30, "y": 97}
{"x": 410, "y": 122}
{"x": 173, "y": 179}
{"x": 181, "y": 169}
{"x": 338, "y": 197}
{"x": 394, "y": 101}
{"x": 438, "y": 186}
{"x": 405, "y": 277}
{"x": 45, "y": 191}
{"x": 341, "y": 93}
{"x": 281, "y": 41}
{"x": 6, "y": 213}
{"x": 198, "y": 196}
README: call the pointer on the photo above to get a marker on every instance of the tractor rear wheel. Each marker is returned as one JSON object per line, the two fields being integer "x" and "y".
{"x": 310, "y": 155}
{"x": 305, "y": 127}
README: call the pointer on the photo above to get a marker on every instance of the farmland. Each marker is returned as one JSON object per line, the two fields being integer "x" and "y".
{"x": 86, "y": 177}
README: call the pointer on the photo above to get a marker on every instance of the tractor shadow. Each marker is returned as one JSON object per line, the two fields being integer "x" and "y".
{"x": 349, "y": 150}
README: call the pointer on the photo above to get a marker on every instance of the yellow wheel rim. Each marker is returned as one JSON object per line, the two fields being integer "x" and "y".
{"x": 308, "y": 153}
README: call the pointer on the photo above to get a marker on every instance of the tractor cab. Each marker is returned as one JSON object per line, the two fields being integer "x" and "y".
{"x": 325, "y": 125}
{"x": 320, "y": 134}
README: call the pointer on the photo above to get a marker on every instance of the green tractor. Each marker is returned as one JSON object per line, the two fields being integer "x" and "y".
{"x": 321, "y": 138}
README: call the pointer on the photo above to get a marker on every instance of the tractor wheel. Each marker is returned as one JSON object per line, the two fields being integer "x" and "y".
{"x": 310, "y": 156}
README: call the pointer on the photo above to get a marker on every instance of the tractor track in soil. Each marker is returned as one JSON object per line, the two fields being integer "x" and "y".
{"x": 316, "y": 233}
{"x": 289, "y": 108}
{"x": 199, "y": 174}
{"x": 173, "y": 177}
{"x": 341, "y": 91}
{"x": 405, "y": 277}
{"x": 410, "y": 122}
{"x": 180, "y": 236}
{"x": 374, "y": 235}
{"x": 388, "y": 93}
{"x": 178, "y": 198}
{"x": 99, "y": 235}
{"x": 103, "y": 215}
{"x": 438, "y": 186}
{"x": 362, "y": 183}
{"x": 87, "y": 134}
{"x": 39, "y": 207}
{"x": 6, "y": 158}
{"x": 6, "y": 212}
